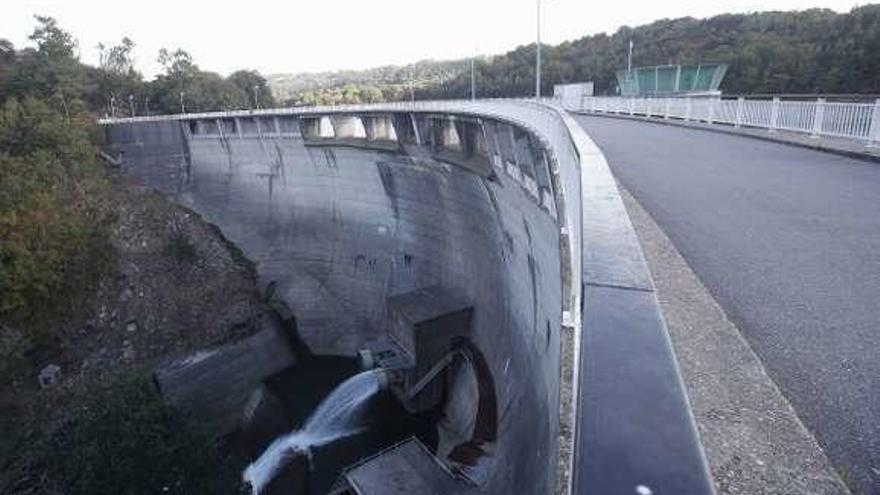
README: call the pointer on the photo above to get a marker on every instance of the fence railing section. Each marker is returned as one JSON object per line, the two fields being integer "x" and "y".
{"x": 817, "y": 118}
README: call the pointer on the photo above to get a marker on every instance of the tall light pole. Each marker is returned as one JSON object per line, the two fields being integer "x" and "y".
{"x": 629, "y": 58}
{"x": 629, "y": 66}
{"x": 473, "y": 81}
{"x": 538, "y": 54}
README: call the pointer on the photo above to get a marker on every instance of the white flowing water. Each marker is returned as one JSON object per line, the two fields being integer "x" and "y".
{"x": 338, "y": 416}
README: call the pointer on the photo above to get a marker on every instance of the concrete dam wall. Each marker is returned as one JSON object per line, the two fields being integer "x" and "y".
{"x": 439, "y": 241}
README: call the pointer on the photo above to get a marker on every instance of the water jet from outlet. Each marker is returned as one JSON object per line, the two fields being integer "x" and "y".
{"x": 337, "y": 416}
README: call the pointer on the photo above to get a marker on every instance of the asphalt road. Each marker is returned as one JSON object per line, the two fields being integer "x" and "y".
{"x": 788, "y": 242}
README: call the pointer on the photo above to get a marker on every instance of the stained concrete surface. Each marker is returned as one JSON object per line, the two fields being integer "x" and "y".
{"x": 337, "y": 230}
{"x": 785, "y": 239}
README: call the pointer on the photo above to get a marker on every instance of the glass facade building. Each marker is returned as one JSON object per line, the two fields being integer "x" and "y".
{"x": 670, "y": 79}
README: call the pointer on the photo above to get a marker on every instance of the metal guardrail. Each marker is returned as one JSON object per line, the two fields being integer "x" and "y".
{"x": 817, "y": 118}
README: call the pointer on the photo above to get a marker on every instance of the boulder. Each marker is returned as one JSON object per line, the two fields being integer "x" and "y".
{"x": 212, "y": 387}
{"x": 49, "y": 375}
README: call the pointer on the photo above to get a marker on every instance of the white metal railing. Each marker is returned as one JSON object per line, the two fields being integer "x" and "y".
{"x": 817, "y": 118}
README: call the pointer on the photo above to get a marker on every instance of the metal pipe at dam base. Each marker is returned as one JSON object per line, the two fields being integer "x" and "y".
{"x": 460, "y": 245}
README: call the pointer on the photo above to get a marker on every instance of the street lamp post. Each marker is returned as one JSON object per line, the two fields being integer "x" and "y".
{"x": 473, "y": 81}
{"x": 538, "y": 54}
{"x": 629, "y": 68}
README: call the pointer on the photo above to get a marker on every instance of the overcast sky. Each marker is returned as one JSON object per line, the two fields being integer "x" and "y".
{"x": 314, "y": 35}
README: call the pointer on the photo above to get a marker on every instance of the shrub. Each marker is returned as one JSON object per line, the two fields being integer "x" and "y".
{"x": 123, "y": 440}
{"x": 13, "y": 346}
{"x": 180, "y": 248}
{"x": 54, "y": 243}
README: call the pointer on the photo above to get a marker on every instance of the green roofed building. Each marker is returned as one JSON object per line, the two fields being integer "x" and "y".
{"x": 666, "y": 80}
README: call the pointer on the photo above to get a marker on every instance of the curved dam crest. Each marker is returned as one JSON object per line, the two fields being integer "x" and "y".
{"x": 443, "y": 243}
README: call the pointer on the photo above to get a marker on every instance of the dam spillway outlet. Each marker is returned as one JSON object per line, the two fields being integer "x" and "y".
{"x": 338, "y": 416}
{"x": 331, "y": 416}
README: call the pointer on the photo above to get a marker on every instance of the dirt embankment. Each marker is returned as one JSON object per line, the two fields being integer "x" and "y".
{"x": 175, "y": 286}
{"x": 178, "y": 285}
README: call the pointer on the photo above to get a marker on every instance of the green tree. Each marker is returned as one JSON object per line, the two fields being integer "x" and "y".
{"x": 184, "y": 86}
{"x": 247, "y": 80}
{"x": 7, "y": 65}
{"x": 118, "y": 86}
{"x": 52, "y": 71}
{"x": 53, "y": 239}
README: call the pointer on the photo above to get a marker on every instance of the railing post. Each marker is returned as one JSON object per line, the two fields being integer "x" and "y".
{"x": 739, "y": 112}
{"x": 774, "y": 114}
{"x": 666, "y": 110}
{"x": 818, "y": 118}
{"x": 632, "y": 106}
{"x": 687, "y": 109}
{"x": 874, "y": 131}
{"x": 711, "y": 117}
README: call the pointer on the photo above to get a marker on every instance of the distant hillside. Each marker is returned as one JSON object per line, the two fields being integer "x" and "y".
{"x": 353, "y": 86}
{"x": 811, "y": 51}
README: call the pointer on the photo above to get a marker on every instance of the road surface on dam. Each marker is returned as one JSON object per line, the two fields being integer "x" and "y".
{"x": 788, "y": 242}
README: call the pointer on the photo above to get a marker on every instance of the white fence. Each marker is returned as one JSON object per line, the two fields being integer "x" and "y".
{"x": 859, "y": 121}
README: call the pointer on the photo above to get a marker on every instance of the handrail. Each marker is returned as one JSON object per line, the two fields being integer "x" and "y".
{"x": 816, "y": 118}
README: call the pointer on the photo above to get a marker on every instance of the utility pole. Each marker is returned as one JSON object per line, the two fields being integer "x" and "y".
{"x": 629, "y": 66}
{"x": 629, "y": 58}
{"x": 473, "y": 81}
{"x": 538, "y": 55}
